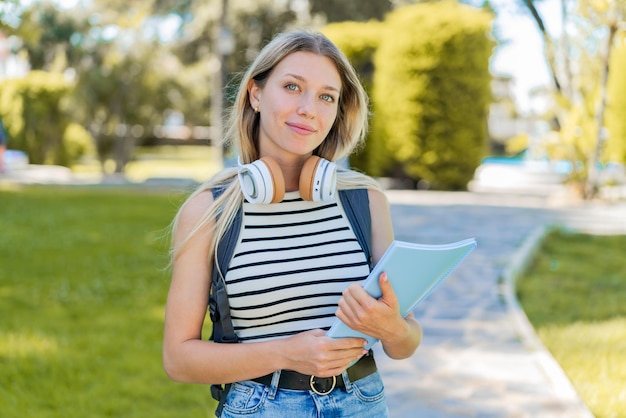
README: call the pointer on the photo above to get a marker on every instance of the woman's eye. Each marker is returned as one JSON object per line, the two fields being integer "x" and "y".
{"x": 291, "y": 86}
{"x": 327, "y": 98}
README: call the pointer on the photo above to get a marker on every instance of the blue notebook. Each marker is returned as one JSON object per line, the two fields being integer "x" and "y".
{"x": 414, "y": 270}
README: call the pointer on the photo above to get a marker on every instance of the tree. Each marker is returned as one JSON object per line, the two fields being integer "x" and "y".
{"x": 355, "y": 11}
{"x": 609, "y": 14}
{"x": 121, "y": 97}
{"x": 47, "y": 36}
{"x": 582, "y": 93}
{"x": 616, "y": 106}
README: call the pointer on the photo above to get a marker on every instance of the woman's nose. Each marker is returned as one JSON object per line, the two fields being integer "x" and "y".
{"x": 306, "y": 107}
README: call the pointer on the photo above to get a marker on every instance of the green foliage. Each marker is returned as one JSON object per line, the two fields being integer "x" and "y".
{"x": 117, "y": 89}
{"x": 616, "y": 107}
{"x": 578, "y": 135}
{"x": 46, "y": 33}
{"x": 574, "y": 296}
{"x": 78, "y": 142}
{"x": 82, "y": 294}
{"x": 431, "y": 94}
{"x": 359, "y": 42}
{"x": 517, "y": 144}
{"x": 359, "y": 11}
{"x": 34, "y": 114}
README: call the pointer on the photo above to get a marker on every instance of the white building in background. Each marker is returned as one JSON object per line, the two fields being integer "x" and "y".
{"x": 505, "y": 122}
{"x": 531, "y": 172}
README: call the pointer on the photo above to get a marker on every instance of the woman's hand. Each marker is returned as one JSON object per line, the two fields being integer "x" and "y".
{"x": 380, "y": 318}
{"x": 314, "y": 353}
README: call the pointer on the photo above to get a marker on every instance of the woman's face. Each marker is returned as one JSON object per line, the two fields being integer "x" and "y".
{"x": 297, "y": 105}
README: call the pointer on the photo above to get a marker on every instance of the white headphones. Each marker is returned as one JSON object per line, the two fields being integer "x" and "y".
{"x": 262, "y": 181}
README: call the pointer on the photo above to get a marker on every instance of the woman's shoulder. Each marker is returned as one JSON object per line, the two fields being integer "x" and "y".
{"x": 378, "y": 199}
{"x": 207, "y": 193}
{"x": 196, "y": 205}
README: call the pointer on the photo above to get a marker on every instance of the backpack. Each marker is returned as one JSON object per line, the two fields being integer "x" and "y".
{"x": 356, "y": 206}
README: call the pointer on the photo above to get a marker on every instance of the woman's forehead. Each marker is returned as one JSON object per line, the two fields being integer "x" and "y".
{"x": 310, "y": 68}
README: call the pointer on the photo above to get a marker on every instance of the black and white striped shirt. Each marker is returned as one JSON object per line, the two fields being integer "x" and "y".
{"x": 291, "y": 263}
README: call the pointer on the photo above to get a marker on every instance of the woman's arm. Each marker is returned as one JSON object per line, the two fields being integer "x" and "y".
{"x": 187, "y": 358}
{"x": 380, "y": 318}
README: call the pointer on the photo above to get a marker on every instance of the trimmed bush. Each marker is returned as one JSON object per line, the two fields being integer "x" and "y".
{"x": 431, "y": 93}
{"x": 359, "y": 42}
{"x": 32, "y": 111}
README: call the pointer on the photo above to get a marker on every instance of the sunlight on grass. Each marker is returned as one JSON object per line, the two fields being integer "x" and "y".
{"x": 594, "y": 357}
{"x": 574, "y": 296}
{"x": 197, "y": 163}
{"x": 84, "y": 269}
{"x": 158, "y": 313}
{"x": 13, "y": 345}
{"x": 139, "y": 171}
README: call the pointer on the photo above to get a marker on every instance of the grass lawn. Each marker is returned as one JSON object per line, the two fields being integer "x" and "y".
{"x": 575, "y": 297}
{"x": 82, "y": 292}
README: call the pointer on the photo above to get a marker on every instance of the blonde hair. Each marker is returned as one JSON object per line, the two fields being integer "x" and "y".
{"x": 346, "y": 134}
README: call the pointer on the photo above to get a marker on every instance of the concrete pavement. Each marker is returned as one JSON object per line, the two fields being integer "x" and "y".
{"x": 480, "y": 357}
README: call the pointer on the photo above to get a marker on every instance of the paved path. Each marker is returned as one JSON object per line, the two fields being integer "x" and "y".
{"x": 479, "y": 356}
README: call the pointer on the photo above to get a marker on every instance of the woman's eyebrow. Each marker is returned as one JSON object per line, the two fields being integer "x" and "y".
{"x": 299, "y": 77}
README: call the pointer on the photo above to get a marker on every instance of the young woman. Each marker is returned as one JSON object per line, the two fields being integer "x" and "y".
{"x": 296, "y": 263}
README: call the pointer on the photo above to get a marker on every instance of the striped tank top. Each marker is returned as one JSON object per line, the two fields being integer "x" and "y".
{"x": 290, "y": 266}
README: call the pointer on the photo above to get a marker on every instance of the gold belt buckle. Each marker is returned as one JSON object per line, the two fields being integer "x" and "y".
{"x": 314, "y": 389}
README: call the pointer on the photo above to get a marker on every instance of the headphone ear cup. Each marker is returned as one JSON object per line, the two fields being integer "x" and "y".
{"x": 262, "y": 181}
{"x": 276, "y": 178}
{"x": 318, "y": 179}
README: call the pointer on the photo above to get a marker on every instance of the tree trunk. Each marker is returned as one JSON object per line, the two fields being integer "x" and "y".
{"x": 591, "y": 185}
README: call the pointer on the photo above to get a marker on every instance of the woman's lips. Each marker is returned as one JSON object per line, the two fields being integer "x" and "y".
{"x": 301, "y": 129}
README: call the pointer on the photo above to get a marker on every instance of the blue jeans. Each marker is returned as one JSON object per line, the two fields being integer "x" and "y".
{"x": 364, "y": 398}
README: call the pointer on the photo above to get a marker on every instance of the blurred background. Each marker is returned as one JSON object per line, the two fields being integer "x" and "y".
{"x": 503, "y": 97}
{"x": 479, "y": 95}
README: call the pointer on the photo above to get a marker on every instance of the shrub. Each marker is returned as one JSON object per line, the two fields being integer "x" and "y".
{"x": 33, "y": 112}
{"x": 431, "y": 93}
{"x": 78, "y": 142}
{"x": 359, "y": 42}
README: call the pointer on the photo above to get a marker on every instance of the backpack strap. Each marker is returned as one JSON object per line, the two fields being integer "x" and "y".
{"x": 356, "y": 204}
{"x": 219, "y": 308}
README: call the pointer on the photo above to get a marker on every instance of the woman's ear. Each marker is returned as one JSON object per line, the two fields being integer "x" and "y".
{"x": 254, "y": 95}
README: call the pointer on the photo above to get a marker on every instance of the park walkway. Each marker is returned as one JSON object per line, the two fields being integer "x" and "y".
{"x": 479, "y": 356}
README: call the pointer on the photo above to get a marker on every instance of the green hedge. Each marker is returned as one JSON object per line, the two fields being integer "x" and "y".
{"x": 431, "y": 91}
{"x": 34, "y": 114}
{"x": 359, "y": 41}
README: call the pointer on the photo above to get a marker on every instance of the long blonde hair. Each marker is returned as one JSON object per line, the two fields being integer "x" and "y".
{"x": 347, "y": 133}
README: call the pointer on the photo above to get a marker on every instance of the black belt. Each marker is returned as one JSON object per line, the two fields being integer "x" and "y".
{"x": 321, "y": 385}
